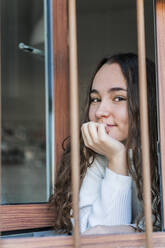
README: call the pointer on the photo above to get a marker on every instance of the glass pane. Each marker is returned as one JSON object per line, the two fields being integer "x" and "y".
{"x": 26, "y": 102}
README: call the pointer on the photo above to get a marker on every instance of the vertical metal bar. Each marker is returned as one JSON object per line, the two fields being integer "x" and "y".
{"x": 74, "y": 118}
{"x": 144, "y": 122}
{"x": 159, "y": 14}
{"x": 1, "y": 224}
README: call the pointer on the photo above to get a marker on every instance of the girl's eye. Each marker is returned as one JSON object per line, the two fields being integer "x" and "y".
{"x": 119, "y": 98}
{"x": 95, "y": 100}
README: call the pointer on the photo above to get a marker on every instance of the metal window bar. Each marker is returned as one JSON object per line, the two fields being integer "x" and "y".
{"x": 74, "y": 115}
{"x": 0, "y": 129}
{"x": 74, "y": 118}
{"x": 144, "y": 122}
{"x": 159, "y": 18}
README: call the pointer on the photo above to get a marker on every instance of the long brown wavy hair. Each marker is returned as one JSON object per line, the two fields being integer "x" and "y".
{"x": 62, "y": 198}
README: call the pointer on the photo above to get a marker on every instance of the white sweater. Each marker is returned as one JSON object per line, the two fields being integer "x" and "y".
{"x": 105, "y": 197}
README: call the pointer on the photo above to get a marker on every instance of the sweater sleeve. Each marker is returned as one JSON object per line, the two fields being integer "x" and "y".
{"x": 105, "y": 198}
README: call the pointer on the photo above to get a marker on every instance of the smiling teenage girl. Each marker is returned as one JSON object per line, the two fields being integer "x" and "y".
{"x": 111, "y": 152}
{"x": 108, "y": 113}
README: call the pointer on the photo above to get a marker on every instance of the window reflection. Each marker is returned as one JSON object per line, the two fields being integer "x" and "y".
{"x": 24, "y": 110}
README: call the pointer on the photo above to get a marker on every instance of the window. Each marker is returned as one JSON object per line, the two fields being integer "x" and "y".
{"x": 27, "y": 113}
{"x": 59, "y": 14}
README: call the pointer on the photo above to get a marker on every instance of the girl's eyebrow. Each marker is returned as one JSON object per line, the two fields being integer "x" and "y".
{"x": 110, "y": 90}
{"x": 117, "y": 89}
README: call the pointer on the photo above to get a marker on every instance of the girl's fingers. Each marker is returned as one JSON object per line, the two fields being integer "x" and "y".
{"x": 86, "y": 136}
{"x": 101, "y": 131}
{"x": 90, "y": 136}
{"x": 108, "y": 141}
{"x": 93, "y": 133}
{"x": 92, "y": 129}
{"x": 96, "y": 138}
{"x": 83, "y": 134}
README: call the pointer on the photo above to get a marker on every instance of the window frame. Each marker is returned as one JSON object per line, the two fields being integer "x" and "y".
{"x": 29, "y": 216}
{"x": 60, "y": 58}
{"x": 107, "y": 241}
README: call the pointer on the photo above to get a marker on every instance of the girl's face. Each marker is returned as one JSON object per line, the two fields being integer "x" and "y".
{"x": 108, "y": 101}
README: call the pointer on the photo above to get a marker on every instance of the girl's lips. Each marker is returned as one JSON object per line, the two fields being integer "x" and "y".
{"x": 108, "y": 128}
{"x": 111, "y": 125}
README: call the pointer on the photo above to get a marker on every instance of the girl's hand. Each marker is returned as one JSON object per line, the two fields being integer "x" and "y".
{"x": 96, "y": 138}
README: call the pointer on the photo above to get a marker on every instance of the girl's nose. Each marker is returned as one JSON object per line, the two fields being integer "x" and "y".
{"x": 103, "y": 110}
